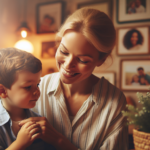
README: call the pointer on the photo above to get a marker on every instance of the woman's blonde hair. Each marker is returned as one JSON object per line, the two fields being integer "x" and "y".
{"x": 95, "y": 25}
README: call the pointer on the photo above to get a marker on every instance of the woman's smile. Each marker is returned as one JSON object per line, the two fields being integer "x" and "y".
{"x": 68, "y": 73}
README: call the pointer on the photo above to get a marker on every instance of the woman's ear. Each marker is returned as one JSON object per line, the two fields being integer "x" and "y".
{"x": 3, "y": 93}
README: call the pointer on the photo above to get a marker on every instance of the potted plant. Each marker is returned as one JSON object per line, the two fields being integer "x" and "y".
{"x": 140, "y": 117}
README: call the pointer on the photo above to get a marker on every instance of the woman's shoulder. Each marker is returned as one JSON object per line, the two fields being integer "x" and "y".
{"x": 49, "y": 79}
{"x": 52, "y": 76}
{"x": 107, "y": 91}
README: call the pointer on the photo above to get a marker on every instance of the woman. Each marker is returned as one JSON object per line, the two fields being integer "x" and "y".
{"x": 83, "y": 110}
{"x": 133, "y": 40}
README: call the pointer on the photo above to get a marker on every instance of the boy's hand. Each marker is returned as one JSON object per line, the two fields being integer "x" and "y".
{"x": 28, "y": 133}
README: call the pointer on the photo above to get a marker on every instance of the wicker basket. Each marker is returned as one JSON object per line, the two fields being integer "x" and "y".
{"x": 141, "y": 140}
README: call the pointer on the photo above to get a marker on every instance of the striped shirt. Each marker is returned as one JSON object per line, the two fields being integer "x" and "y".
{"x": 99, "y": 123}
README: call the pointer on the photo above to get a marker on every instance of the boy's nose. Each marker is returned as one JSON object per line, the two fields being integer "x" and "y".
{"x": 36, "y": 92}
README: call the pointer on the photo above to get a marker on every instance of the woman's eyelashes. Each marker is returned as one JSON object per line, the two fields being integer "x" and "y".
{"x": 65, "y": 53}
{"x": 81, "y": 61}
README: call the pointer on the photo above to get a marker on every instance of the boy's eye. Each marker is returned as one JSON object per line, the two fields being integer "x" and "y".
{"x": 38, "y": 84}
{"x": 28, "y": 87}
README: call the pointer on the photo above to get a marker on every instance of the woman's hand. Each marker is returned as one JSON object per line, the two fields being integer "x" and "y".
{"x": 28, "y": 133}
{"x": 50, "y": 135}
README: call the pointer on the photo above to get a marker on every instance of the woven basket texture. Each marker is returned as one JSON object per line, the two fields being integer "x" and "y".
{"x": 141, "y": 140}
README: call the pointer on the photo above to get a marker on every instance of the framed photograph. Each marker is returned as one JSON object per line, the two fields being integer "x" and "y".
{"x": 103, "y": 5}
{"x": 133, "y": 41}
{"x": 110, "y": 76}
{"x": 49, "y": 16}
{"x": 48, "y": 49}
{"x": 135, "y": 74}
{"x": 49, "y": 66}
{"x": 133, "y": 11}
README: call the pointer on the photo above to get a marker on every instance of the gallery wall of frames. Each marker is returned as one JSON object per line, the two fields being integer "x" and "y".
{"x": 132, "y": 45}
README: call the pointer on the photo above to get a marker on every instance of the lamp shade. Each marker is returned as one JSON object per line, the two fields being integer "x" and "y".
{"x": 23, "y": 29}
{"x": 24, "y": 45}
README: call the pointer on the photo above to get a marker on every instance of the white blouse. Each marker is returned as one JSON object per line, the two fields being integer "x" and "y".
{"x": 99, "y": 123}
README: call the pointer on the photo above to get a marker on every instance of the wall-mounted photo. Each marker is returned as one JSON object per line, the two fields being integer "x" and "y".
{"x": 133, "y": 41}
{"x": 49, "y": 16}
{"x": 104, "y": 6}
{"x": 48, "y": 66}
{"x": 133, "y": 11}
{"x": 135, "y": 74}
{"x": 110, "y": 76}
{"x": 48, "y": 50}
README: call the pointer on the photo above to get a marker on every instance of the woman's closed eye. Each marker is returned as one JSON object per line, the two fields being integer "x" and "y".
{"x": 81, "y": 61}
{"x": 65, "y": 53}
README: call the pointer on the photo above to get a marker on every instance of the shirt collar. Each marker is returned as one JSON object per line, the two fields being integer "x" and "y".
{"x": 54, "y": 83}
{"x": 55, "y": 86}
{"x": 96, "y": 90}
{"x": 4, "y": 116}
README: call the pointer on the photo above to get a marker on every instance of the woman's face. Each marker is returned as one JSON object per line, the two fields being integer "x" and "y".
{"x": 76, "y": 58}
{"x": 134, "y": 38}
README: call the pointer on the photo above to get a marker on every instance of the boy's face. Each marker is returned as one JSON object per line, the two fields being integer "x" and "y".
{"x": 24, "y": 91}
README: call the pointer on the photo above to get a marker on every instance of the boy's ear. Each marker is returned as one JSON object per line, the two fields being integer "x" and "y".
{"x": 3, "y": 93}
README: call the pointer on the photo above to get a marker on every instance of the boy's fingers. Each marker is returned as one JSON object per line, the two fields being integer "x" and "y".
{"x": 33, "y": 119}
{"x": 32, "y": 126}
{"x": 36, "y": 136}
{"x": 28, "y": 124}
{"x": 35, "y": 131}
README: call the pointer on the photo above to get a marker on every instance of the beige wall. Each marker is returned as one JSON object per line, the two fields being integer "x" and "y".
{"x": 11, "y": 14}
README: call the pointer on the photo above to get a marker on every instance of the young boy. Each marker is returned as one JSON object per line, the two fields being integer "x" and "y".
{"x": 19, "y": 79}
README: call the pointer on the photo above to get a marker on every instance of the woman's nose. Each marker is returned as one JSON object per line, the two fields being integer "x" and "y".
{"x": 70, "y": 62}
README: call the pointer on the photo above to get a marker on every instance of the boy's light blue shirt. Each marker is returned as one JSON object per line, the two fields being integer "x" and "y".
{"x": 7, "y": 136}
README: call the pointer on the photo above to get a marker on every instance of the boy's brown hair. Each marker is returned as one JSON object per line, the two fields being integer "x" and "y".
{"x": 13, "y": 60}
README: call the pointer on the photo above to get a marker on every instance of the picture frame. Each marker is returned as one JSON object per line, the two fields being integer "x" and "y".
{"x": 133, "y": 41}
{"x": 135, "y": 74}
{"x": 110, "y": 76}
{"x": 48, "y": 50}
{"x": 103, "y": 5}
{"x": 48, "y": 66}
{"x": 131, "y": 12}
{"x": 49, "y": 16}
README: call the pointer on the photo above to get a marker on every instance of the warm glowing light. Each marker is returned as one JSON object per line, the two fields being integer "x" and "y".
{"x": 24, "y": 45}
{"x": 24, "y": 33}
